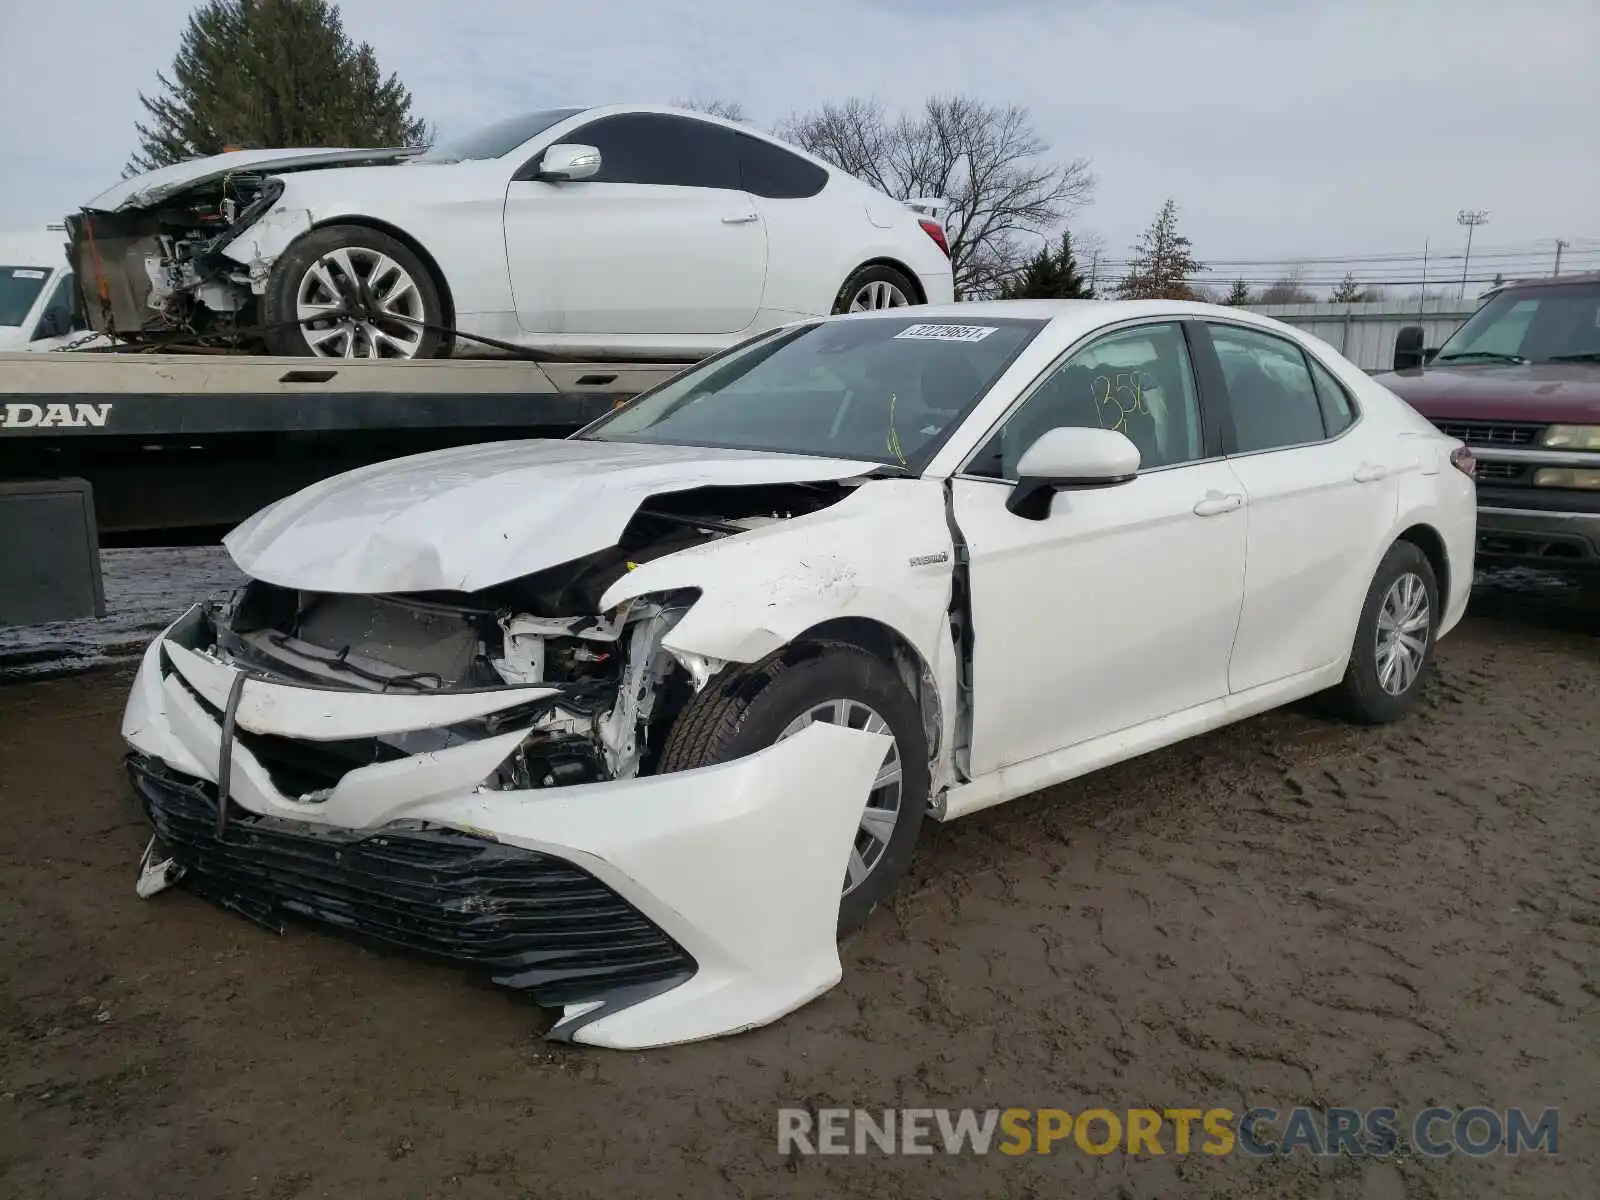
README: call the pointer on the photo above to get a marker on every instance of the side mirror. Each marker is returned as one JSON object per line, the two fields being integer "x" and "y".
{"x": 1070, "y": 457}
{"x": 568, "y": 163}
{"x": 1408, "y": 348}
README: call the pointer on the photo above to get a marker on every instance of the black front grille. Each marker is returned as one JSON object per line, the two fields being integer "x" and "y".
{"x": 534, "y": 921}
{"x": 1501, "y": 472}
{"x": 1491, "y": 433}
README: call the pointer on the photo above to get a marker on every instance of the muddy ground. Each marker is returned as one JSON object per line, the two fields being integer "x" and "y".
{"x": 1288, "y": 911}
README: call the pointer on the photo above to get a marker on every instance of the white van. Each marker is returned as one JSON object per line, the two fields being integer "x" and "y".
{"x": 39, "y": 307}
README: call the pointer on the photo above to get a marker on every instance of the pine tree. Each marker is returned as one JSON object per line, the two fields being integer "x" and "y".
{"x": 1238, "y": 295}
{"x": 1161, "y": 263}
{"x": 1348, "y": 291}
{"x": 1052, "y": 274}
{"x": 269, "y": 73}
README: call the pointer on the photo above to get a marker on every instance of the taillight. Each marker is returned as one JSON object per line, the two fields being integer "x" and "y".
{"x": 1461, "y": 459}
{"x": 936, "y": 231}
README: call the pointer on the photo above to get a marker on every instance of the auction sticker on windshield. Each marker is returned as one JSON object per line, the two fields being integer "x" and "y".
{"x": 946, "y": 333}
{"x": 27, "y": 273}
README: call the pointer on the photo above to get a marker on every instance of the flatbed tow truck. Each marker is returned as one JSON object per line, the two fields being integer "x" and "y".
{"x": 136, "y": 448}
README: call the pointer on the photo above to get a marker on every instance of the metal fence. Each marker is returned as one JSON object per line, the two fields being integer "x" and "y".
{"x": 1365, "y": 333}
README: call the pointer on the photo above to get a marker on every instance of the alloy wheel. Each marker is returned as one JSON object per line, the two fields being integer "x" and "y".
{"x": 359, "y": 303}
{"x": 878, "y": 294}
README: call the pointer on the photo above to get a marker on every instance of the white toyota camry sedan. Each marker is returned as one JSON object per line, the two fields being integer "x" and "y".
{"x": 642, "y": 720}
{"x": 619, "y": 229}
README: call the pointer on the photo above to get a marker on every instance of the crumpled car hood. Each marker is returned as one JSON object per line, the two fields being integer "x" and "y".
{"x": 155, "y": 186}
{"x": 471, "y": 517}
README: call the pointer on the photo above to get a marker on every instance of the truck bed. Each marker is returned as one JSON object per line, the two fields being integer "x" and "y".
{"x": 56, "y": 397}
{"x": 151, "y": 449}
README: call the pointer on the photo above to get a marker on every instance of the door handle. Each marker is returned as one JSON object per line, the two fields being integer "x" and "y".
{"x": 741, "y": 219}
{"x": 1215, "y": 504}
{"x": 1371, "y": 472}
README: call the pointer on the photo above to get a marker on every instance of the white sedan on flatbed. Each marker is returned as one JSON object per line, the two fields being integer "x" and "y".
{"x": 641, "y": 720}
{"x": 636, "y": 230}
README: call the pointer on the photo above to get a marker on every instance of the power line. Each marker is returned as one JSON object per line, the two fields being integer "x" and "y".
{"x": 1541, "y": 248}
{"x": 1370, "y": 259}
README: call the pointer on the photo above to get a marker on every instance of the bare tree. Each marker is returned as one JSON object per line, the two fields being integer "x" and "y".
{"x": 1286, "y": 290}
{"x": 986, "y": 162}
{"x": 728, "y": 110}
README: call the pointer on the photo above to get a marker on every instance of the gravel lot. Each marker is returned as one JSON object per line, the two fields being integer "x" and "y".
{"x": 1288, "y": 911}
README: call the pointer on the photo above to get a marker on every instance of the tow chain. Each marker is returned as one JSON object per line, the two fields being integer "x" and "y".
{"x": 91, "y": 336}
{"x": 190, "y": 338}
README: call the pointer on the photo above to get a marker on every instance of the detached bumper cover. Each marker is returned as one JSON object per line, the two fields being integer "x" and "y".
{"x": 532, "y": 920}
{"x": 652, "y": 911}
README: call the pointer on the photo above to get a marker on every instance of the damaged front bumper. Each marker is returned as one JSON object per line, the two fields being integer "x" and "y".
{"x": 651, "y": 910}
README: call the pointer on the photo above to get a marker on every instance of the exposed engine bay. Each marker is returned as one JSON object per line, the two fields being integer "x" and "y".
{"x": 157, "y": 268}
{"x": 619, "y": 690}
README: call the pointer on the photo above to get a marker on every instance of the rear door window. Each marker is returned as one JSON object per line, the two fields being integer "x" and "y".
{"x": 1273, "y": 402}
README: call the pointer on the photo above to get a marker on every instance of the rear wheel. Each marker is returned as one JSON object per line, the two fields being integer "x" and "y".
{"x": 1393, "y": 650}
{"x": 875, "y": 287}
{"x": 756, "y": 706}
{"x": 346, "y": 291}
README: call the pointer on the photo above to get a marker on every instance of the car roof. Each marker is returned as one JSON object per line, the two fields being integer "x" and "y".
{"x": 1070, "y": 319}
{"x": 1581, "y": 277}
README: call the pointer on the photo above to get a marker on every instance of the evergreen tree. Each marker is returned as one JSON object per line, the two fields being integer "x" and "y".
{"x": 1238, "y": 295}
{"x": 1162, "y": 262}
{"x": 269, "y": 73}
{"x": 1052, "y": 274}
{"x": 1348, "y": 291}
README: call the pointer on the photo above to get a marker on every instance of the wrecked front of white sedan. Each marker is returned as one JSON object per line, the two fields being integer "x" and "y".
{"x": 484, "y": 775}
{"x": 634, "y": 723}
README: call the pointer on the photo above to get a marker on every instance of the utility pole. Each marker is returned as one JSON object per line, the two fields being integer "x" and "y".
{"x": 1094, "y": 270}
{"x": 1560, "y": 246}
{"x": 1422, "y": 296}
{"x": 1471, "y": 218}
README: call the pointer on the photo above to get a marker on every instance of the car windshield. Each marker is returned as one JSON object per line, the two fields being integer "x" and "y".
{"x": 885, "y": 389}
{"x": 494, "y": 140}
{"x": 1548, "y": 323}
{"x": 19, "y": 288}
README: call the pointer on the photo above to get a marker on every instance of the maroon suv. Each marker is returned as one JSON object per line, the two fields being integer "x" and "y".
{"x": 1519, "y": 383}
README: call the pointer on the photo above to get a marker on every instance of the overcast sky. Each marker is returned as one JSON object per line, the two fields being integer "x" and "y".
{"x": 1309, "y": 128}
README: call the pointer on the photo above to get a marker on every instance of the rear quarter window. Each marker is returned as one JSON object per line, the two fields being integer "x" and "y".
{"x": 1338, "y": 409}
{"x": 771, "y": 171}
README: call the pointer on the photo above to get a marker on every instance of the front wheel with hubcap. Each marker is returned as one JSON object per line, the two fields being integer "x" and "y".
{"x": 752, "y": 707}
{"x": 346, "y": 291}
{"x": 1394, "y": 642}
{"x": 874, "y": 287}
